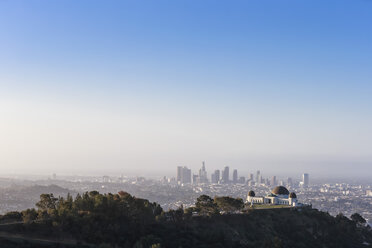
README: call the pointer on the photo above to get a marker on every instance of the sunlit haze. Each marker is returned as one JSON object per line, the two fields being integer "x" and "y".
{"x": 95, "y": 87}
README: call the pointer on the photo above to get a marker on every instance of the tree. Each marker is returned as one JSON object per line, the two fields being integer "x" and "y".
{"x": 93, "y": 193}
{"x": 206, "y": 206}
{"x": 47, "y": 202}
{"x": 29, "y": 215}
{"x": 176, "y": 216}
{"x": 123, "y": 194}
{"x": 148, "y": 241}
{"x": 12, "y": 216}
{"x": 229, "y": 204}
{"x": 357, "y": 218}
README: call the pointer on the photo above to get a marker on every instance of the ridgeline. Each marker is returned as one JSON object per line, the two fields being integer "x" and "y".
{"x": 122, "y": 220}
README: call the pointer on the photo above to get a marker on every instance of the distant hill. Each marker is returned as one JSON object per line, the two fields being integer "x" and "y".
{"x": 122, "y": 220}
{"x": 19, "y": 197}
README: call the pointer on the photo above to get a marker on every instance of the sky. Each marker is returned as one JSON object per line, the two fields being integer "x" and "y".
{"x": 140, "y": 87}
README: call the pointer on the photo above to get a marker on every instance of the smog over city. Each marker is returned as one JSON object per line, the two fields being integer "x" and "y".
{"x": 185, "y": 123}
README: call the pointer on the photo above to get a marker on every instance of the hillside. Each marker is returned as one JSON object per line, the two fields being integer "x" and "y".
{"x": 121, "y": 220}
{"x": 18, "y": 197}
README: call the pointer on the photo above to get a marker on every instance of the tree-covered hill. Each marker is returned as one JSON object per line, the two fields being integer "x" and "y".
{"x": 122, "y": 220}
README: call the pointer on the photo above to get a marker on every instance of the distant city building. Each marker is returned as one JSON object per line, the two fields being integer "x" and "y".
{"x": 164, "y": 180}
{"x": 266, "y": 181}
{"x": 273, "y": 181}
{"x": 217, "y": 174}
{"x": 258, "y": 177}
{"x": 179, "y": 173}
{"x": 121, "y": 179}
{"x": 225, "y": 174}
{"x": 235, "y": 176}
{"x": 106, "y": 179}
{"x": 203, "y": 178}
{"x": 215, "y": 178}
{"x": 305, "y": 180}
{"x": 140, "y": 179}
{"x": 241, "y": 180}
{"x": 251, "y": 177}
{"x": 195, "y": 179}
{"x": 186, "y": 175}
{"x": 289, "y": 182}
{"x": 183, "y": 174}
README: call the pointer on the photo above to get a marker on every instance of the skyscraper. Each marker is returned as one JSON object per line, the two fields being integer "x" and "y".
{"x": 195, "y": 178}
{"x": 203, "y": 178}
{"x": 179, "y": 173}
{"x": 258, "y": 179}
{"x": 273, "y": 181}
{"x": 213, "y": 178}
{"x": 183, "y": 174}
{"x": 225, "y": 175}
{"x": 251, "y": 177}
{"x": 217, "y": 174}
{"x": 305, "y": 180}
{"x": 186, "y": 175}
{"x": 235, "y": 176}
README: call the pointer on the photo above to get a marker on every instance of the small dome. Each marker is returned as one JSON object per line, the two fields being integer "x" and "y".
{"x": 292, "y": 195}
{"x": 251, "y": 193}
{"x": 280, "y": 190}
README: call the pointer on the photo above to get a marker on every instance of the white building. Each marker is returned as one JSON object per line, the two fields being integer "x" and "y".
{"x": 278, "y": 196}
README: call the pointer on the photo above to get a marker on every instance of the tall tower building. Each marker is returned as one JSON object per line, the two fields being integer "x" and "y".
{"x": 235, "y": 176}
{"x": 305, "y": 180}
{"x": 251, "y": 177}
{"x": 258, "y": 178}
{"x": 179, "y": 173}
{"x": 186, "y": 175}
{"x": 217, "y": 175}
{"x": 183, "y": 174}
{"x": 225, "y": 174}
{"x": 203, "y": 178}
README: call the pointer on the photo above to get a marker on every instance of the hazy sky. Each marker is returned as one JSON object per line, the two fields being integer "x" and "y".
{"x": 128, "y": 86}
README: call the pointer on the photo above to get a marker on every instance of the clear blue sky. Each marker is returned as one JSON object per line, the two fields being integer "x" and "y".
{"x": 149, "y": 85}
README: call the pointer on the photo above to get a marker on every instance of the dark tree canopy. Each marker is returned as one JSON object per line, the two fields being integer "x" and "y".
{"x": 121, "y": 220}
{"x": 229, "y": 204}
{"x": 206, "y": 206}
{"x": 358, "y": 218}
{"x": 47, "y": 202}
